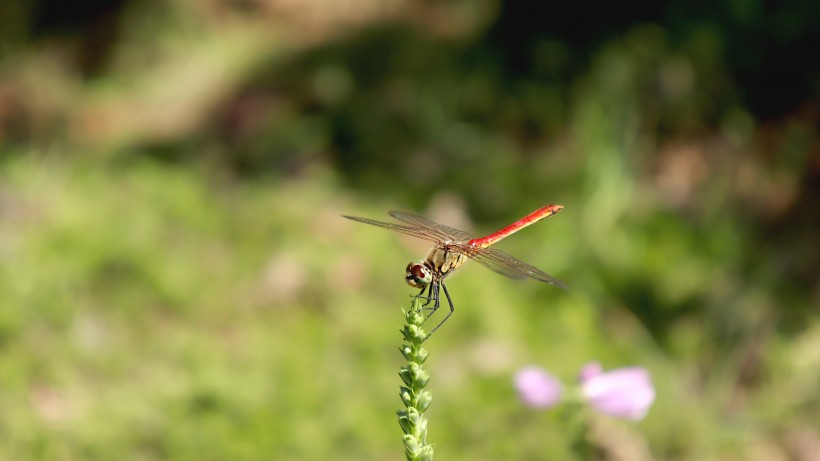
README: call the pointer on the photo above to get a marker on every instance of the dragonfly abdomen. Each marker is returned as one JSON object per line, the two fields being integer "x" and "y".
{"x": 531, "y": 218}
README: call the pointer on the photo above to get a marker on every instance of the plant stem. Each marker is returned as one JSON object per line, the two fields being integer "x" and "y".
{"x": 576, "y": 421}
{"x": 412, "y": 393}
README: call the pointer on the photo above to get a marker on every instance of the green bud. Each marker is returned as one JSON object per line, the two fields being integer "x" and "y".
{"x": 406, "y": 396}
{"x": 421, "y": 355}
{"x": 415, "y": 332}
{"x": 424, "y": 401}
{"x": 422, "y": 378}
{"x": 407, "y": 376}
{"x": 407, "y": 352}
{"x": 414, "y": 317}
{"x": 414, "y": 369}
{"x": 421, "y": 430}
{"x": 407, "y": 334}
{"x": 404, "y": 422}
{"x": 425, "y": 454}
{"x": 413, "y": 416}
{"x": 411, "y": 444}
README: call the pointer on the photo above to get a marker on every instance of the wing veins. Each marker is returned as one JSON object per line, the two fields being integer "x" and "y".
{"x": 407, "y": 230}
{"x": 504, "y": 264}
{"x": 442, "y": 231}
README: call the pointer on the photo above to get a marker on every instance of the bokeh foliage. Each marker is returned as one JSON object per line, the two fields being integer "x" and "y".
{"x": 177, "y": 282}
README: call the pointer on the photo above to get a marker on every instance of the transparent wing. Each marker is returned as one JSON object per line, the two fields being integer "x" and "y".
{"x": 441, "y": 231}
{"x": 417, "y": 232}
{"x": 506, "y": 265}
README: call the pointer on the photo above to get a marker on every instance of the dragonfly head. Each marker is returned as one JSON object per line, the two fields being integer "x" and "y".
{"x": 418, "y": 275}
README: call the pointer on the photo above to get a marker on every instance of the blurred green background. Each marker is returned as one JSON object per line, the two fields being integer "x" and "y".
{"x": 176, "y": 281}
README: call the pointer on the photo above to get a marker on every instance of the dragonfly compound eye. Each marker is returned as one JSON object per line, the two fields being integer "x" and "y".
{"x": 418, "y": 275}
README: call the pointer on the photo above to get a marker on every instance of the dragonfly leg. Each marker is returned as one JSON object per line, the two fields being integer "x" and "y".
{"x": 432, "y": 296}
{"x": 452, "y": 309}
{"x": 429, "y": 296}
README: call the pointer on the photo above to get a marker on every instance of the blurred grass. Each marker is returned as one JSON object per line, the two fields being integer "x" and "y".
{"x": 137, "y": 309}
{"x": 177, "y": 282}
{"x": 157, "y": 315}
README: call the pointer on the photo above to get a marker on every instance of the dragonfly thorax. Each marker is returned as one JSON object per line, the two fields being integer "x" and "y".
{"x": 444, "y": 259}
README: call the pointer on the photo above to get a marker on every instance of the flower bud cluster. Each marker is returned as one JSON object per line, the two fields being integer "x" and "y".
{"x": 412, "y": 393}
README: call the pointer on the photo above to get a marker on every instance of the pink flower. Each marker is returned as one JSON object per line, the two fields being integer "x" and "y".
{"x": 537, "y": 388}
{"x": 624, "y": 393}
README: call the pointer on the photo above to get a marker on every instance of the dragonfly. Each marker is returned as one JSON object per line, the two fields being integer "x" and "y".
{"x": 452, "y": 248}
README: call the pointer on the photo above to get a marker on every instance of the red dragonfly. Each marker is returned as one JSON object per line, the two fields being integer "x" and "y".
{"x": 452, "y": 248}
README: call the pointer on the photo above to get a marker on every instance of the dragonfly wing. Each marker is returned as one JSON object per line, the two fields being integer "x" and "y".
{"x": 439, "y": 230}
{"x": 407, "y": 230}
{"x": 506, "y": 265}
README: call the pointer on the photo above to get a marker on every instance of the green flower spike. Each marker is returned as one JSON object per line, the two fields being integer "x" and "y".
{"x": 412, "y": 393}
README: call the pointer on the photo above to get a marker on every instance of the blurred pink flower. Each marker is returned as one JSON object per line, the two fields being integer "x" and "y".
{"x": 590, "y": 370}
{"x": 537, "y": 388}
{"x": 624, "y": 393}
